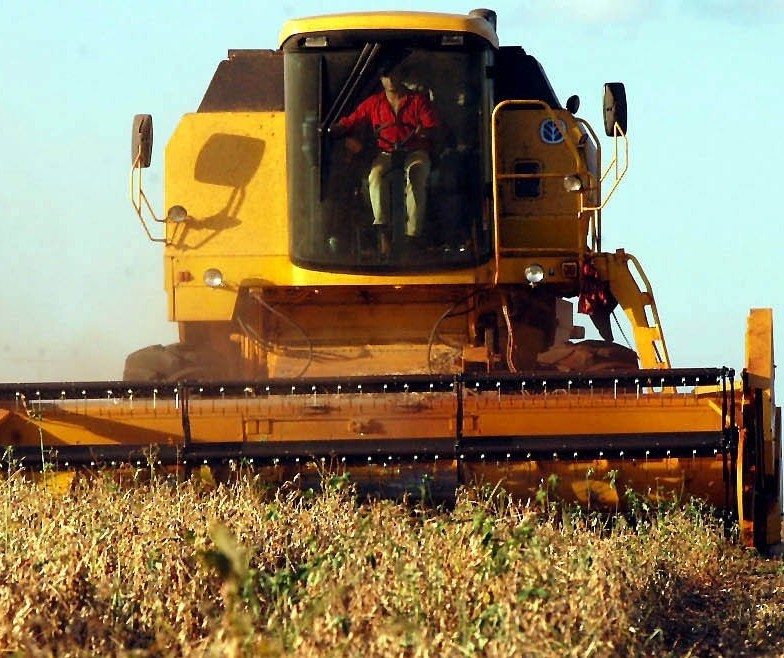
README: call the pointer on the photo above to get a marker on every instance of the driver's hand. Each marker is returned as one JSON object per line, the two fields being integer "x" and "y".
{"x": 354, "y": 145}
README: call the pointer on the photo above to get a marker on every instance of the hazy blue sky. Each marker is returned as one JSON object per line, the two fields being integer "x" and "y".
{"x": 701, "y": 206}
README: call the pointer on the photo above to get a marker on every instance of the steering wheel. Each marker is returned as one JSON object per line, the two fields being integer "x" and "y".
{"x": 395, "y": 146}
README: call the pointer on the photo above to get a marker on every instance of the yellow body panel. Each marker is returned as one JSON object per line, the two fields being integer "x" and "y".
{"x": 599, "y": 414}
{"x": 389, "y": 20}
{"x": 235, "y": 196}
{"x": 228, "y": 171}
{"x": 550, "y": 219}
{"x": 759, "y": 450}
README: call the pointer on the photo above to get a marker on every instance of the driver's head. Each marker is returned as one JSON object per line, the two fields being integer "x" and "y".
{"x": 391, "y": 79}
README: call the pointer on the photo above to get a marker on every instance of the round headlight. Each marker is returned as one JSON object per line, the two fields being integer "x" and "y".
{"x": 176, "y": 214}
{"x": 534, "y": 274}
{"x": 213, "y": 278}
{"x": 572, "y": 183}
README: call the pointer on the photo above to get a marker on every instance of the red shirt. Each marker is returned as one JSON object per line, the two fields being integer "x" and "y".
{"x": 415, "y": 110}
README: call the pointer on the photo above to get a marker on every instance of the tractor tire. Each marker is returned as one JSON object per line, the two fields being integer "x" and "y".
{"x": 588, "y": 356}
{"x": 175, "y": 362}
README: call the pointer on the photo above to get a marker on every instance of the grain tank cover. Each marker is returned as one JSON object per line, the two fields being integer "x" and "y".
{"x": 246, "y": 81}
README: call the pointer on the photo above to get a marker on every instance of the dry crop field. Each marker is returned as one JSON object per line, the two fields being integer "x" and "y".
{"x": 187, "y": 569}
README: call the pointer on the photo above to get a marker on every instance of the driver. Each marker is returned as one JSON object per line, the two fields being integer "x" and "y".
{"x": 402, "y": 121}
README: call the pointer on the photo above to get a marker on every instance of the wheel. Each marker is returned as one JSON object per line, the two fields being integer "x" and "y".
{"x": 588, "y": 356}
{"x": 175, "y": 362}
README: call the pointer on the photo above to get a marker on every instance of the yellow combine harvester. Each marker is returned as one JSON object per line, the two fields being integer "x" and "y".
{"x": 384, "y": 285}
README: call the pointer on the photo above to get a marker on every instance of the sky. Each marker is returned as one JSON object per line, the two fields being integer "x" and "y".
{"x": 700, "y": 206}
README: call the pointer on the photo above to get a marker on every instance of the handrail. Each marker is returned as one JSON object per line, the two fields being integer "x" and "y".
{"x": 664, "y": 355}
{"x": 635, "y": 296}
{"x": 619, "y": 173}
{"x": 595, "y": 184}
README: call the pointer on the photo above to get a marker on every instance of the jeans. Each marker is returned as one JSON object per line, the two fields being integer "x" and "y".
{"x": 416, "y": 168}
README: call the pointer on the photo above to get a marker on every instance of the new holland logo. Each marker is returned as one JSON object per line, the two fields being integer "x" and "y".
{"x": 551, "y": 133}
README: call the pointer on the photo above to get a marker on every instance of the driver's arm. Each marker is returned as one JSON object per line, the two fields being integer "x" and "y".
{"x": 427, "y": 118}
{"x": 350, "y": 122}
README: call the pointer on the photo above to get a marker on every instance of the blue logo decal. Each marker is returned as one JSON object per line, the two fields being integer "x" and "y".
{"x": 551, "y": 133}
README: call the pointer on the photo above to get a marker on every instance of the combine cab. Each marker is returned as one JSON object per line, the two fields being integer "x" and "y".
{"x": 411, "y": 324}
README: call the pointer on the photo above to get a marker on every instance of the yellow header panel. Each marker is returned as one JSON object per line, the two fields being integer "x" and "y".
{"x": 390, "y": 20}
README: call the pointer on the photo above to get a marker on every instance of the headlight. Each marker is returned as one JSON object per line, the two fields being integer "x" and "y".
{"x": 213, "y": 278}
{"x": 534, "y": 274}
{"x": 572, "y": 183}
{"x": 176, "y": 214}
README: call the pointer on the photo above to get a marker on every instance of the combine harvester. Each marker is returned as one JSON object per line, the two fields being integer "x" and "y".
{"x": 310, "y": 334}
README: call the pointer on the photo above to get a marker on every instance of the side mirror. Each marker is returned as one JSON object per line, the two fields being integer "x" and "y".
{"x": 614, "y": 107}
{"x": 141, "y": 140}
{"x": 573, "y": 104}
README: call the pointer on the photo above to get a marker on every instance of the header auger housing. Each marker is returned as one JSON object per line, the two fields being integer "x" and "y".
{"x": 316, "y": 325}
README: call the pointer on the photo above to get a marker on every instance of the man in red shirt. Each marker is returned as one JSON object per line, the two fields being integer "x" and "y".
{"x": 402, "y": 121}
